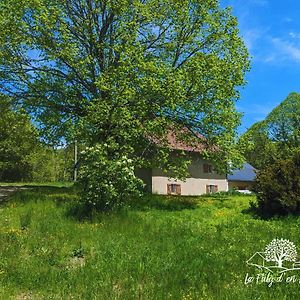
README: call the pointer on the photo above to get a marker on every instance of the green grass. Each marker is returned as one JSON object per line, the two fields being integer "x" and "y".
{"x": 36, "y": 184}
{"x": 159, "y": 248}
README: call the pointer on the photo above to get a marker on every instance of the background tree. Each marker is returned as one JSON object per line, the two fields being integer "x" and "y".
{"x": 276, "y": 137}
{"x": 18, "y": 139}
{"x": 51, "y": 164}
{"x": 283, "y": 124}
{"x": 259, "y": 150}
{"x": 22, "y": 155}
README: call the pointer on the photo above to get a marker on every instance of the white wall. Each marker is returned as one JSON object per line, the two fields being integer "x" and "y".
{"x": 191, "y": 187}
{"x": 195, "y": 184}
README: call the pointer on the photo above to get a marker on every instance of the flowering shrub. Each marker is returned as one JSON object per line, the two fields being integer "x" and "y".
{"x": 107, "y": 180}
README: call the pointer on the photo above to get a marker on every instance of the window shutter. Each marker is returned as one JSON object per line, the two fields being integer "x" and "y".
{"x": 205, "y": 168}
{"x": 169, "y": 189}
{"x": 207, "y": 189}
{"x": 178, "y": 189}
{"x": 215, "y": 189}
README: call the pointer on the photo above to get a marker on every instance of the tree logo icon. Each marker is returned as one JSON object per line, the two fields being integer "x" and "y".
{"x": 280, "y": 255}
{"x": 280, "y": 250}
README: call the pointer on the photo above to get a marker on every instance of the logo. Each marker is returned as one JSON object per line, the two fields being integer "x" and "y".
{"x": 279, "y": 258}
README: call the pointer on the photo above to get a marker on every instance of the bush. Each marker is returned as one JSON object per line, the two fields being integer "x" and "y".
{"x": 278, "y": 187}
{"x": 107, "y": 180}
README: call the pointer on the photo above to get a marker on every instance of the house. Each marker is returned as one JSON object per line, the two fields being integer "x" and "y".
{"x": 242, "y": 179}
{"x": 202, "y": 179}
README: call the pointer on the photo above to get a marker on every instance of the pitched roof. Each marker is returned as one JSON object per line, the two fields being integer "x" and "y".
{"x": 195, "y": 143}
{"x": 247, "y": 173}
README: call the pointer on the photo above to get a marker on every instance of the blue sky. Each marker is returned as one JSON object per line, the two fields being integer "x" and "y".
{"x": 271, "y": 31}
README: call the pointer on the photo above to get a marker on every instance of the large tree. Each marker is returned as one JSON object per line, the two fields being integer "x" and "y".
{"x": 119, "y": 71}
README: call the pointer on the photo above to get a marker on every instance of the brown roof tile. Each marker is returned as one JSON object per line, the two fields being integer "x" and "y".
{"x": 185, "y": 140}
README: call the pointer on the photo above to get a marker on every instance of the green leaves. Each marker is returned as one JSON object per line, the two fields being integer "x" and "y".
{"x": 122, "y": 70}
{"x": 278, "y": 187}
{"x": 283, "y": 122}
{"x": 107, "y": 179}
{"x": 278, "y": 136}
{"x": 18, "y": 139}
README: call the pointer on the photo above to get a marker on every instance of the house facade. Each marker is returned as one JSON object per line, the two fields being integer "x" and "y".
{"x": 202, "y": 179}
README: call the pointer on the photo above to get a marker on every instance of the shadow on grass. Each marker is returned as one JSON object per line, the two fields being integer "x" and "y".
{"x": 260, "y": 213}
{"x": 170, "y": 203}
{"x": 68, "y": 198}
{"x": 255, "y": 212}
{"x": 252, "y": 212}
{"x": 83, "y": 212}
{"x": 226, "y": 195}
{"x": 49, "y": 189}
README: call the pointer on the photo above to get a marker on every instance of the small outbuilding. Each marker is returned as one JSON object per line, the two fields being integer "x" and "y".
{"x": 242, "y": 179}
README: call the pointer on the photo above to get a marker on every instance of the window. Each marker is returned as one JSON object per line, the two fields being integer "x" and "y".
{"x": 211, "y": 189}
{"x": 207, "y": 168}
{"x": 174, "y": 189}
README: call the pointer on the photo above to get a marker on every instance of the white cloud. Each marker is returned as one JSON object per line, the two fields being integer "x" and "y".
{"x": 260, "y": 111}
{"x": 294, "y": 35}
{"x": 287, "y": 19}
{"x": 251, "y": 36}
{"x": 269, "y": 58}
{"x": 264, "y": 45}
{"x": 251, "y": 29}
{"x": 278, "y": 50}
{"x": 288, "y": 50}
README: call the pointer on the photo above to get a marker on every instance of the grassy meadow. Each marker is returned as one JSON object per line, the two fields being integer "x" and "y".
{"x": 157, "y": 248}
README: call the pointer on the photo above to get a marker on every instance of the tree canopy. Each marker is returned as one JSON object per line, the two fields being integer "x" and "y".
{"x": 278, "y": 136}
{"x": 118, "y": 71}
{"x": 283, "y": 123}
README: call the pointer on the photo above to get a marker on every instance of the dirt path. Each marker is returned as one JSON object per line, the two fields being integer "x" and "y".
{"x": 5, "y": 191}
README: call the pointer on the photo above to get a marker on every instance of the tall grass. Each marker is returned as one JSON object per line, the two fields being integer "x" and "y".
{"x": 195, "y": 249}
